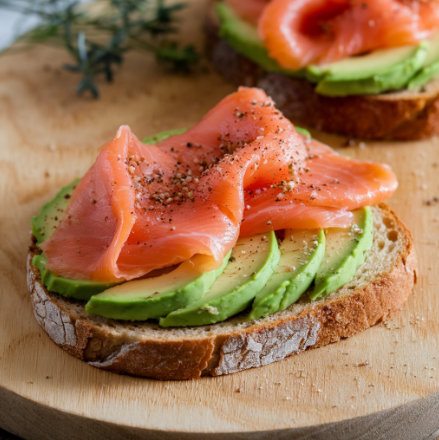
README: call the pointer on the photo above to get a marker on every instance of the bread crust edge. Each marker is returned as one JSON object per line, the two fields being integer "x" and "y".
{"x": 260, "y": 344}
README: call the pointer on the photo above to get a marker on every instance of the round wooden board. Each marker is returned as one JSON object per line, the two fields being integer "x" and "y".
{"x": 48, "y": 136}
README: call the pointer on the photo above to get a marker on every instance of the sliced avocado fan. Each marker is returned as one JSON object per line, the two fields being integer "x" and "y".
{"x": 251, "y": 265}
{"x": 186, "y": 296}
{"x": 147, "y": 298}
{"x": 302, "y": 253}
{"x": 345, "y": 252}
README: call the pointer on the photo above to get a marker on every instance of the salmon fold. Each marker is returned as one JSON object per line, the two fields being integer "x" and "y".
{"x": 242, "y": 170}
{"x": 298, "y": 33}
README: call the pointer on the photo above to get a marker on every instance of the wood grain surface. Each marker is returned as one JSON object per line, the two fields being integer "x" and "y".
{"x": 382, "y": 383}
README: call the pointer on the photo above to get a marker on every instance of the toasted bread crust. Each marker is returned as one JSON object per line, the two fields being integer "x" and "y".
{"x": 401, "y": 115}
{"x": 187, "y": 357}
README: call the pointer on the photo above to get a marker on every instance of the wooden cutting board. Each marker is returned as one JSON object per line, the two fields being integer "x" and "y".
{"x": 382, "y": 383}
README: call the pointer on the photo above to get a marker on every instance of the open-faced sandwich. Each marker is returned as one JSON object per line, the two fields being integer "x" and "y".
{"x": 231, "y": 245}
{"x": 362, "y": 68}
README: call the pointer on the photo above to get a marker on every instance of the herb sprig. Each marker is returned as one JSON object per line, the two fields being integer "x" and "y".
{"x": 98, "y": 35}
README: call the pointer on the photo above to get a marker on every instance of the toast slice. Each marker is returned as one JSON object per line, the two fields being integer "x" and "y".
{"x": 403, "y": 115}
{"x": 380, "y": 287}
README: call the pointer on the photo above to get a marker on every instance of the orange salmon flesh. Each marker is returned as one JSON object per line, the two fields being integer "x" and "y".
{"x": 242, "y": 170}
{"x": 298, "y": 33}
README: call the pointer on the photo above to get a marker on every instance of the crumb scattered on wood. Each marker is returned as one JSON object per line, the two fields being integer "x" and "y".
{"x": 363, "y": 364}
{"x": 349, "y": 143}
{"x": 432, "y": 201}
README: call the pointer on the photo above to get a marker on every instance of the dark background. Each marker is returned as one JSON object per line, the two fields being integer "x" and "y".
{"x": 6, "y": 436}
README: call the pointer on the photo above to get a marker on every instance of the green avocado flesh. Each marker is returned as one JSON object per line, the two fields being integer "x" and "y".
{"x": 430, "y": 69}
{"x": 243, "y": 37}
{"x": 146, "y": 298}
{"x": 376, "y": 72}
{"x": 153, "y": 140}
{"x": 303, "y": 131}
{"x": 43, "y": 225}
{"x": 259, "y": 273}
{"x": 365, "y": 66}
{"x": 302, "y": 252}
{"x": 78, "y": 289}
{"x": 345, "y": 252}
{"x": 251, "y": 265}
{"x": 390, "y": 69}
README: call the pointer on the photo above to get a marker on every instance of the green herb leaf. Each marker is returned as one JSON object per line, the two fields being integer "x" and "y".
{"x": 98, "y": 40}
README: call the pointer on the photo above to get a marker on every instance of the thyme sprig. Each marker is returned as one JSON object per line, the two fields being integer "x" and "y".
{"x": 98, "y": 35}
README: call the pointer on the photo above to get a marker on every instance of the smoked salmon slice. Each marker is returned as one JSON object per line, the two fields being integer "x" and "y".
{"x": 144, "y": 207}
{"x": 325, "y": 193}
{"x": 299, "y": 33}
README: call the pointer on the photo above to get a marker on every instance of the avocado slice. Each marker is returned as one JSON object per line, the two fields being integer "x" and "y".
{"x": 244, "y": 38}
{"x": 430, "y": 69}
{"x": 433, "y": 51}
{"x": 147, "y": 298}
{"x": 380, "y": 71}
{"x": 155, "y": 139}
{"x": 180, "y": 291}
{"x": 303, "y": 131}
{"x": 363, "y": 66}
{"x": 302, "y": 253}
{"x": 251, "y": 265}
{"x": 44, "y": 224}
{"x": 345, "y": 253}
{"x": 78, "y": 289}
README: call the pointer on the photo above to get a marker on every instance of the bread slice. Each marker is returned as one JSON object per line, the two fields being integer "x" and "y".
{"x": 380, "y": 287}
{"x": 403, "y": 115}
